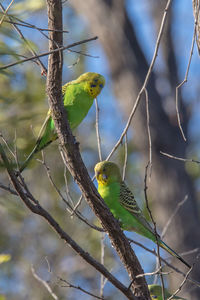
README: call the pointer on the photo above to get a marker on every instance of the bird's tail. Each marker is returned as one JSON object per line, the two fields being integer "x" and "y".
{"x": 36, "y": 149}
{"x": 173, "y": 253}
{"x": 43, "y": 140}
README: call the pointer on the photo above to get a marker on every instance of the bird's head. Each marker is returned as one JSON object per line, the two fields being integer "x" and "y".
{"x": 93, "y": 83}
{"x": 155, "y": 291}
{"x": 107, "y": 172}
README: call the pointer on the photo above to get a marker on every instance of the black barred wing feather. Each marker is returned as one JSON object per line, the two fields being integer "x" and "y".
{"x": 128, "y": 201}
{"x": 64, "y": 88}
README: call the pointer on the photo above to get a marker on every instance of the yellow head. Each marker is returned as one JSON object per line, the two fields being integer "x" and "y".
{"x": 156, "y": 292}
{"x": 94, "y": 83}
{"x": 107, "y": 172}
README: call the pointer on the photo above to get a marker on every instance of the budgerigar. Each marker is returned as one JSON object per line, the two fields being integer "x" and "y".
{"x": 78, "y": 97}
{"x": 156, "y": 293}
{"x": 122, "y": 204}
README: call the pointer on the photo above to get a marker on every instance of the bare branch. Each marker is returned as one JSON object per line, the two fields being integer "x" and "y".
{"x": 173, "y": 215}
{"x": 149, "y": 132}
{"x": 49, "y": 52}
{"x": 154, "y": 227}
{"x": 5, "y": 12}
{"x": 74, "y": 163}
{"x": 145, "y": 81}
{"x": 44, "y": 70}
{"x": 181, "y": 285}
{"x": 44, "y": 283}
{"x": 97, "y": 130}
{"x": 183, "y": 82}
{"x": 70, "y": 285}
{"x": 125, "y": 157}
{"x": 36, "y": 208}
{"x": 180, "y": 158}
{"x": 28, "y": 25}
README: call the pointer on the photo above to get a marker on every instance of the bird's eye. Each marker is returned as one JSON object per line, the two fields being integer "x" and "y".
{"x": 93, "y": 85}
{"x": 95, "y": 80}
{"x": 101, "y": 85}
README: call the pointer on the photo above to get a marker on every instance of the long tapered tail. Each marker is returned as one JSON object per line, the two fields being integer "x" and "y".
{"x": 40, "y": 144}
{"x": 173, "y": 253}
{"x": 36, "y": 149}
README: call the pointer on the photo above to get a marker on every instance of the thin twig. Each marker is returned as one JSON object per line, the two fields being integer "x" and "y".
{"x": 97, "y": 130}
{"x": 125, "y": 157}
{"x": 44, "y": 283}
{"x": 163, "y": 21}
{"x": 196, "y": 6}
{"x": 181, "y": 285}
{"x": 183, "y": 82}
{"x": 8, "y": 189}
{"x": 36, "y": 208}
{"x": 155, "y": 230}
{"x": 7, "y": 146}
{"x": 180, "y": 158}
{"x": 70, "y": 285}
{"x": 173, "y": 215}
{"x": 158, "y": 271}
{"x": 81, "y": 53}
{"x": 196, "y": 283}
{"x": 70, "y": 207}
{"x": 5, "y": 12}
{"x": 149, "y": 132}
{"x": 44, "y": 70}
{"x": 77, "y": 205}
{"x": 26, "y": 24}
{"x": 67, "y": 191}
{"x": 49, "y": 52}
{"x": 189, "y": 252}
{"x": 102, "y": 262}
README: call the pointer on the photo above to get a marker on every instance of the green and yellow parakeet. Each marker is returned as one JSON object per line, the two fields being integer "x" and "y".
{"x": 156, "y": 293}
{"x": 122, "y": 203}
{"x": 78, "y": 97}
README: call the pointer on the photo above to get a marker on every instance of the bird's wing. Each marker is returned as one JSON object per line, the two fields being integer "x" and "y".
{"x": 128, "y": 201}
{"x": 64, "y": 88}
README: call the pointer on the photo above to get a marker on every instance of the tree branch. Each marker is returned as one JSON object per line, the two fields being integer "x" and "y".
{"x": 73, "y": 160}
{"x": 36, "y": 208}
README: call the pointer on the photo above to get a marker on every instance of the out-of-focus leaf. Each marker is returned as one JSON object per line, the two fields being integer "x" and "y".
{"x": 7, "y": 31}
{"x": 30, "y": 5}
{"x": 4, "y": 258}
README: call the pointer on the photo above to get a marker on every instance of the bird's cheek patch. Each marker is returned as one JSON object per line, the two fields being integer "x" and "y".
{"x": 104, "y": 177}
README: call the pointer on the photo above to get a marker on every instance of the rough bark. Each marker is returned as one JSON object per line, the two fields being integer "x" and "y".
{"x": 170, "y": 181}
{"x": 72, "y": 158}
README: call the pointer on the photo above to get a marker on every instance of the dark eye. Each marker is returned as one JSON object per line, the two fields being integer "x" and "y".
{"x": 104, "y": 169}
{"x": 101, "y": 85}
{"x": 93, "y": 85}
